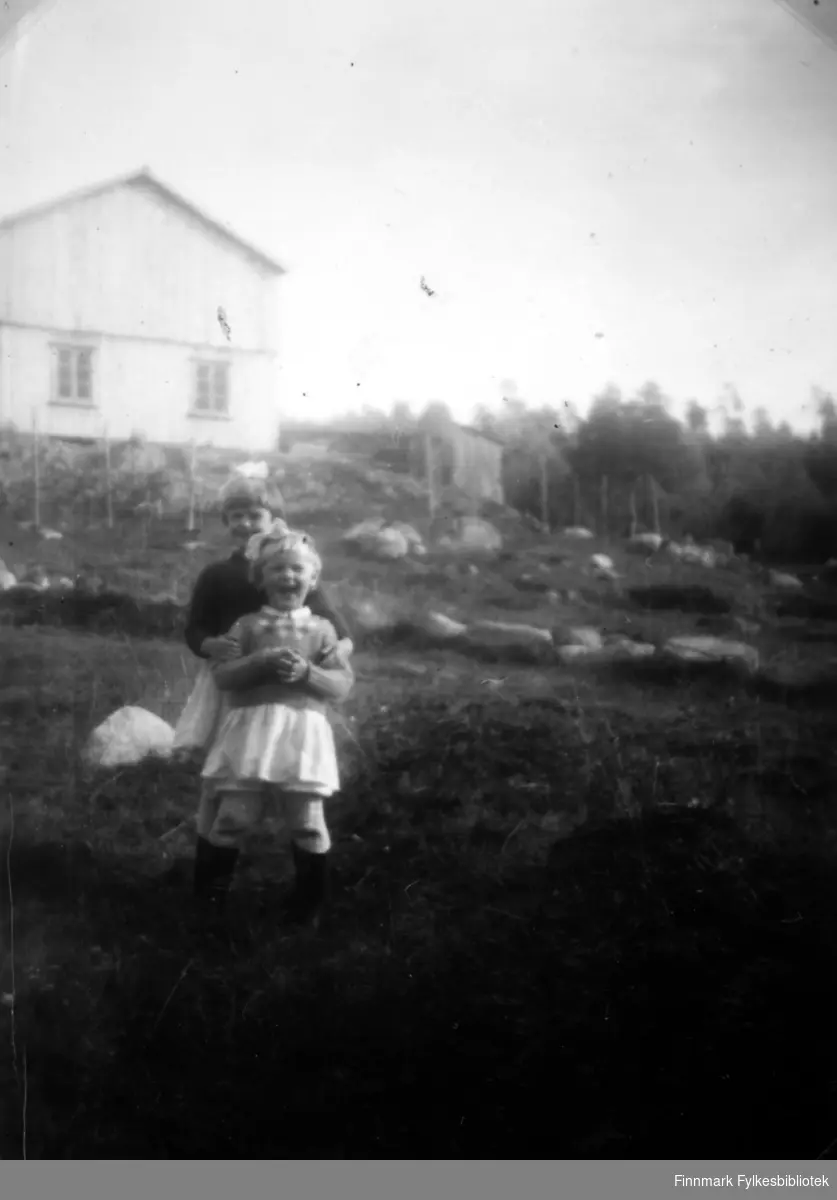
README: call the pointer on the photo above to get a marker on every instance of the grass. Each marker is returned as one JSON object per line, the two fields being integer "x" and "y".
{"x": 574, "y": 917}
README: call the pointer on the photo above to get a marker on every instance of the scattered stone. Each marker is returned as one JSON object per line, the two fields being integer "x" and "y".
{"x": 438, "y": 626}
{"x": 712, "y": 649}
{"x": 472, "y": 534}
{"x": 779, "y": 579}
{"x": 127, "y": 736}
{"x": 683, "y": 597}
{"x": 500, "y": 640}
{"x": 583, "y": 635}
{"x": 528, "y": 583}
{"x": 644, "y": 543}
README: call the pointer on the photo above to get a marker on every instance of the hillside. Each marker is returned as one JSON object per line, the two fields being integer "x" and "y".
{"x": 593, "y": 874}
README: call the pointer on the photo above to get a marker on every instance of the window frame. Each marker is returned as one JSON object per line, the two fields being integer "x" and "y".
{"x": 213, "y": 367}
{"x": 75, "y": 352}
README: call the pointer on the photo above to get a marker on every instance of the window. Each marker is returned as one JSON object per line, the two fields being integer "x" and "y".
{"x": 212, "y": 388}
{"x": 74, "y": 381}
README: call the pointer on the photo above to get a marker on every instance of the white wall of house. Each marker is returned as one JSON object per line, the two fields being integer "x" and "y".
{"x": 139, "y": 283}
{"x": 135, "y": 388}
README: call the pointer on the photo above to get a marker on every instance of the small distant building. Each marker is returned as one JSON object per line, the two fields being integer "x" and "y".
{"x": 458, "y": 456}
{"x": 125, "y": 308}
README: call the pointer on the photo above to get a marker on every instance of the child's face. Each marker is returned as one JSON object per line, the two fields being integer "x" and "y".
{"x": 246, "y": 520}
{"x": 288, "y": 578}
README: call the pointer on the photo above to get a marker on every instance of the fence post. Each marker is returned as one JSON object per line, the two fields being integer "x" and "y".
{"x": 36, "y": 468}
{"x": 544, "y": 462}
{"x": 430, "y": 472}
{"x": 108, "y": 481}
{"x": 191, "y": 518}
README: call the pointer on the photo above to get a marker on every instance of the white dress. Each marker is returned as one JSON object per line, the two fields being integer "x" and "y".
{"x": 202, "y": 714}
{"x": 290, "y": 746}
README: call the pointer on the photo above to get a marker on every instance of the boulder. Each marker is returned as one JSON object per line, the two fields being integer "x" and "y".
{"x": 601, "y": 562}
{"x": 788, "y": 583}
{"x": 616, "y": 651}
{"x": 442, "y": 628}
{"x": 685, "y": 597}
{"x": 712, "y": 650}
{"x": 127, "y": 736}
{"x": 508, "y": 640}
{"x": 644, "y": 543}
{"x": 529, "y": 583}
{"x": 688, "y": 552}
{"x": 578, "y": 532}
{"x": 386, "y": 544}
{"x": 370, "y": 526}
{"x": 7, "y": 580}
{"x": 583, "y": 635}
{"x": 412, "y": 536}
{"x": 472, "y": 534}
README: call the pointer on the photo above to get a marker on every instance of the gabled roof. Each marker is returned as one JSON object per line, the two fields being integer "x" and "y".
{"x": 145, "y": 181}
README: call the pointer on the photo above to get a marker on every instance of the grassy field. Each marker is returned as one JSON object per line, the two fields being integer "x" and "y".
{"x": 575, "y": 916}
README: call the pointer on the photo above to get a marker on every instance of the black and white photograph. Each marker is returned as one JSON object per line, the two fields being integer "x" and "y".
{"x": 418, "y": 583}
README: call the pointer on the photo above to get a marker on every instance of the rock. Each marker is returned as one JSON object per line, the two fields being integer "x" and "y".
{"x": 525, "y": 643}
{"x": 50, "y": 535}
{"x": 371, "y": 616}
{"x": 601, "y": 562}
{"x": 386, "y": 544}
{"x": 583, "y": 635}
{"x": 572, "y": 653}
{"x": 36, "y": 577}
{"x": 7, "y": 580}
{"x": 617, "y": 651}
{"x": 644, "y": 543}
{"x": 63, "y": 584}
{"x": 712, "y": 649}
{"x": 437, "y": 625}
{"x": 528, "y": 583}
{"x": 601, "y": 567}
{"x": 779, "y": 579}
{"x": 128, "y": 736}
{"x": 577, "y": 531}
{"x": 685, "y": 597}
{"x": 625, "y": 648}
{"x": 412, "y": 537}
{"x": 472, "y": 534}
{"x": 688, "y": 552}
{"x": 371, "y": 526}
{"x": 253, "y": 470}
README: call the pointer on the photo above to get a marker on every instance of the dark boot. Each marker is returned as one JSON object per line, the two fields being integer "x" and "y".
{"x": 310, "y": 890}
{"x": 214, "y": 867}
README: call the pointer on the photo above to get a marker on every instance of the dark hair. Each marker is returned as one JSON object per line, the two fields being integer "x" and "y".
{"x": 255, "y": 492}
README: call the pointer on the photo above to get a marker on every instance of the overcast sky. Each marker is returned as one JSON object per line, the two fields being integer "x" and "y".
{"x": 661, "y": 174}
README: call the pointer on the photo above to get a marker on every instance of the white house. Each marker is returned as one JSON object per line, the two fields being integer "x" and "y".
{"x": 126, "y": 310}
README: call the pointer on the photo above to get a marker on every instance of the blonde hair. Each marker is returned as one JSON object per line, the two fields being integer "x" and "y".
{"x": 279, "y": 540}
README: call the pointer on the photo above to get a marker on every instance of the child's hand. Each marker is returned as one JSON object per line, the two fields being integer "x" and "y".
{"x": 220, "y": 649}
{"x": 292, "y": 667}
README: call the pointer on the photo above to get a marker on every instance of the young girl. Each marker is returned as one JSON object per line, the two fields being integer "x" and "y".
{"x": 275, "y": 743}
{"x": 224, "y": 592}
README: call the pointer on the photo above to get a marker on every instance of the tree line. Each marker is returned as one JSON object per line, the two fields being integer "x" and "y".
{"x": 631, "y": 464}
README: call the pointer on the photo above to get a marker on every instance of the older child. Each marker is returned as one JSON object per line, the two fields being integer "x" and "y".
{"x": 275, "y": 744}
{"x": 224, "y": 592}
